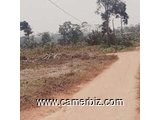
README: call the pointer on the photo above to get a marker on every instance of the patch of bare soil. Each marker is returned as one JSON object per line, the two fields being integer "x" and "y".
{"x": 54, "y": 74}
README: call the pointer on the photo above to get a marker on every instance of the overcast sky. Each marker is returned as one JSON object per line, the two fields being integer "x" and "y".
{"x": 43, "y": 16}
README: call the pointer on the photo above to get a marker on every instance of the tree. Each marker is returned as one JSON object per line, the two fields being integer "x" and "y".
{"x": 85, "y": 27}
{"x": 107, "y": 9}
{"x": 120, "y": 12}
{"x": 24, "y": 26}
{"x": 28, "y": 41}
{"x": 107, "y": 5}
{"x": 71, "y": 32}
{"x": 46, "y": 38}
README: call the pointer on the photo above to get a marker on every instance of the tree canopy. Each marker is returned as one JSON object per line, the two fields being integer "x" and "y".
{"x": 107, "y": 9}
{"x": 46, "y": 38}
{"x": 71, "y": 32}
{"x": 24, "y": 26}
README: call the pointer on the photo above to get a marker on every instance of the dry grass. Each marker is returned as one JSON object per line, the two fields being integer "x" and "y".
{"x": 58, "y": 70}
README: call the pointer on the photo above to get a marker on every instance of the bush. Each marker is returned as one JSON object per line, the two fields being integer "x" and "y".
{"x": 94, "y": 38}
{"x": 46, "y": 38}
{"x": 28, "y": 42}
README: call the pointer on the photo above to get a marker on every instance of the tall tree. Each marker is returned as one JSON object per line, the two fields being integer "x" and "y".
{"x": 107, "y": 9}
{"x": 24, "y": 26}
{"x": 120, "y": 12}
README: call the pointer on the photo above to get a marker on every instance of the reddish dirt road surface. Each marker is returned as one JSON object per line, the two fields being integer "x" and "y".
{"x": 119, "y": 81}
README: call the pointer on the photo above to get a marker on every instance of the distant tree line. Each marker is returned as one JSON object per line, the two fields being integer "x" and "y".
{"x": 72, "y": 34}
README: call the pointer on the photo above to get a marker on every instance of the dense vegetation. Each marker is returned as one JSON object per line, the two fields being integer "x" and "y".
{"x": 73, "y": 34}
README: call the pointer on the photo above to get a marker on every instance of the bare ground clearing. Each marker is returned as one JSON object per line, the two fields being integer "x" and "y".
{"x": 45, "y": 75}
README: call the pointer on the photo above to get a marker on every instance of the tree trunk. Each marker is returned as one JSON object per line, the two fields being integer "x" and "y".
{"x": 116, "y": 42}
{"x": 113, "y": 26}
{"x": 107, "y": 25}
{"x": 121, "y": 27}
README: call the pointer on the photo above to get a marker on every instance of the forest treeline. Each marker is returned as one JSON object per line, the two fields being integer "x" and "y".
{"x": 104, "y": 34}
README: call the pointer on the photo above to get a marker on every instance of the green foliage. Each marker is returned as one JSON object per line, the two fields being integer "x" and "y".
{"x": 94, "y": 38}
{"x": 115, "y": 8}
{"x": 24, "y": 26}
{"x": 119, "y": 9}
{"x": 134, "y": 32}
{"x": 71, "y": 33}
{"x": 46, "y": 38}
{"x": 29, "y": 43}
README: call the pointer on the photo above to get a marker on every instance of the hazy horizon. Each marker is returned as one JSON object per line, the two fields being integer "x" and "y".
{"x": 44, "y": 17}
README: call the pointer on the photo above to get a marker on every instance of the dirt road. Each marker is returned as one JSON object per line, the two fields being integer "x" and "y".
{"x": 119, "y": 81}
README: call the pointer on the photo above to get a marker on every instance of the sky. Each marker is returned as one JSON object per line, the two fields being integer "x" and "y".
{"x": 45, "y": 17}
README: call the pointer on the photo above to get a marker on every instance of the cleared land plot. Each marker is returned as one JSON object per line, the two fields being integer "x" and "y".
{"x": 46, "y": 73}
